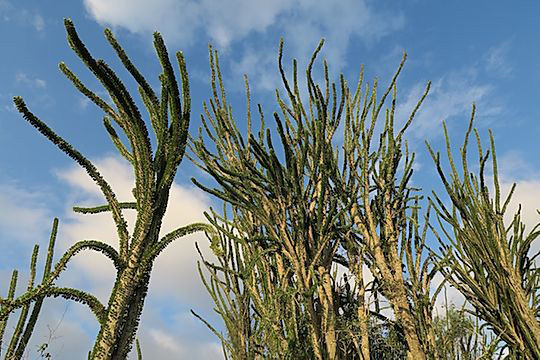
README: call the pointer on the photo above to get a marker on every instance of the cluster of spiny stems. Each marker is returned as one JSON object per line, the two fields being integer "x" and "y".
{"x": 489, "y": 262}
{"x": 154, "y": 174}
{"x": 295, "y": 217}
{"x": 25, "y": 325}
{"x": 292, "y": 214}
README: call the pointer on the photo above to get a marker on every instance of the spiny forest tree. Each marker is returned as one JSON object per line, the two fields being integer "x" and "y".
{"x": 490, "y": 263}
{"x": 293, "y": 219}
{"x": 154, "y": 174}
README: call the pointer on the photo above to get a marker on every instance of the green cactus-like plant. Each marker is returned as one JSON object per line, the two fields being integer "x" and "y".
{"x": 296, "y": 216}
{"x": 490, "y": 263}
{"x": 154, "y": 175}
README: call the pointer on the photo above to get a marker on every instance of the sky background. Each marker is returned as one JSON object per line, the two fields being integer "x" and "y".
{"x": 485, "y": 52}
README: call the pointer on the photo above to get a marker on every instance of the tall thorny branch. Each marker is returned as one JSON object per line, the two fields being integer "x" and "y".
{"x": 154, "y": 174}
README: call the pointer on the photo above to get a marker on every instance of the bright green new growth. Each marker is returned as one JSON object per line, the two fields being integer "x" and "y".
{"x": 154, "y": 173}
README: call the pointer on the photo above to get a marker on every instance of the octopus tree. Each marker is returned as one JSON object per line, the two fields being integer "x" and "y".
{"x": 154, "y": 174}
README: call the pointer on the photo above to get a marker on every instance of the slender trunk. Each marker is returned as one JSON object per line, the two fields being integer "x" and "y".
{"x": 328, "y": 324}
{"x": 363, "y": 313}
{"x": 128, "y": 332}
{"x": 529, "y": 328}
{"x": 313, "y": 321}
{"x": 119, "y": 305}
{"x": 406, "y": 320}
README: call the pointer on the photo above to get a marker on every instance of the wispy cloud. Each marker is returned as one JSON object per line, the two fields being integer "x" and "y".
{"x": 27, "y": 214}
{"x": 38, "y": 22}
{"x": 4, "y": 6}
{"x": 302, "y": 29}
{"x": 496, "y": 60}
{"x": 25, "y": 79}
{"x": 452, "y": 96}
{"x": 23, "y": 16}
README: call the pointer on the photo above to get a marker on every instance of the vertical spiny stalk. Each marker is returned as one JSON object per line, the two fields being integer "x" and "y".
{"x": 17, "y": 332}
{"x": 6, "y": 307}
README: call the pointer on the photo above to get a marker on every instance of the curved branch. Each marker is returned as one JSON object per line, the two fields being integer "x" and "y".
{"x": 80, "y": 296}
{"x": 63, "y": 145}
{"x": 132, "y": 69}
{"x": 42, "y": 289}
{"x": 87, "y": 92}
{"x": 103, "y": 208}
{"x": 173, "y": 235}
{"x": 116, "y": 140}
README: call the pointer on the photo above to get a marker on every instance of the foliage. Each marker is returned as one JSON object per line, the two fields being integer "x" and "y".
{"x": 293, "y": 219}
{"x": 154, "y": 174}
{"x": 458, "y": 335}
{"x": 489, "y": 263}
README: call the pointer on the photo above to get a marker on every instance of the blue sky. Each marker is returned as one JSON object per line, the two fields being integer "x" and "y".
{"x": 484, "y": 51}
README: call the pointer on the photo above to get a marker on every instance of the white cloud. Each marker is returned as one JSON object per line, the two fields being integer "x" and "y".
{"x": 28, "y": 213}
{"x": 25, "y": 79}
{"x": 513, "y": 168}
{"x": 527, "y": 194}
{"x": 450, "y": 96}
{"x": 175, "y": 19}
{"x": 186, "y": 205}
{"x": 175, "y": 286}
{"x": 164, "y": 340}
{"x": 229, "y": 21}
{"x": 448, "y": 296}
{"x": 21, "y": 16}
{"x": 301, "y": 22}
{"x": 38, "y": 22}
{"x": 260, "y": 68}
{"x": 496, "y": 60}
{"x": 160, "y": 344}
